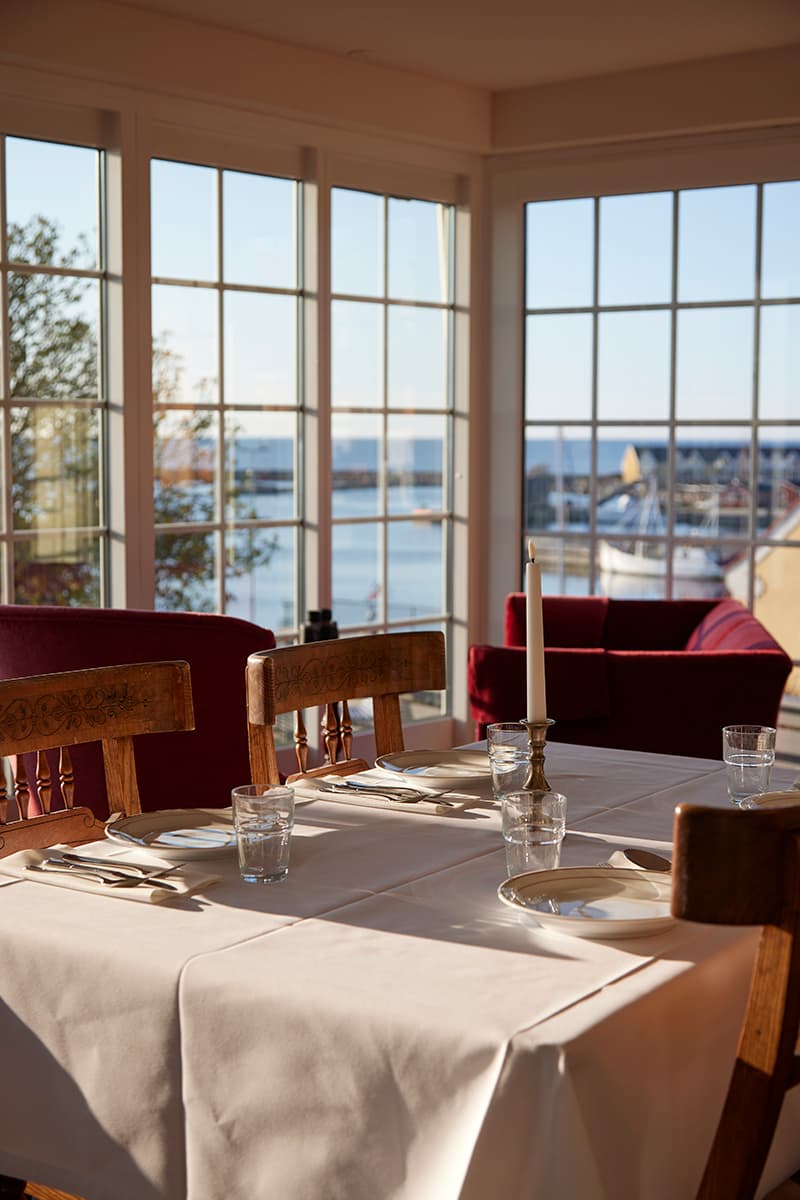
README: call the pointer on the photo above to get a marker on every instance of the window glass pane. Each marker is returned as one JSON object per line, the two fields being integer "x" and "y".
{"x": 415, "y": 461}
{"x": 417, "y": 354}
{"x": 186, "y": 572}
{"x": 356, "y": 243}
{"x": 559, "y": 254}
{"x": 258, "y": 233}
{"x": 633, "y": 491}
{"x": 717, "y": 243}
{"x": 260, "y": 577}
{"x": 779, "y": 362}
{"x": 779, "y": 483}
{"x": 53, "y": 329}
{"x": 356, "y": 355}
{"x": 186, "y": 453}
{"x": 712, "y": 483}
{"x": 47, "y": 223}
{"x": 558, "y": 464}
{"x": 55, "y": 467}
{"x": 58, "y": 569}
{"x": 633, "y": 365}
{"x": 185, "y": 355}
{"x": 715, "y": 364}
{"x": 260, "y": 348}
{"x": 183, "y": 221}
{"x": 357, "y": 574}
{"x": 357, "y": 456}
{"x": 419, "y": 258}
{"x": 636, "y": 249}
{"x": 415, "y": 569}
{"x": 260, "y": 479}
{"x": 780, "y": 251}
{"x": 777, "y": 570}
{"x": 558, "y": 376}
{"x": 565, "y": 566}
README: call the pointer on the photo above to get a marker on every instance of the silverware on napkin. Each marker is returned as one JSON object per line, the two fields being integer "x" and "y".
{"x": 106, "y": 872}
{"x": 401, "y": 795}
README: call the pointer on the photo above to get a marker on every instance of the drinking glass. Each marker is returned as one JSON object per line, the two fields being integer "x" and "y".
{"x": 264, "y": 818}
{"x": 532, "y": 821}
{"x": 748, "y": 752}
{"x": 509, "y": 756}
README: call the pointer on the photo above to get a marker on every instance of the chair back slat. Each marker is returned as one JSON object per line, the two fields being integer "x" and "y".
{"x": 102, "y": 704}
{"x": 742, "y": 867}
{"x": 44, "y": 786}
{"x": 331, "y": 674}
{"x": 66, "y": 776}
{"x": 22, "y": 792}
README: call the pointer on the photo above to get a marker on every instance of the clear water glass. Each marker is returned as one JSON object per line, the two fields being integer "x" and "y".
{"x": 749, "y": 754}
{"x": 532, "y": 822}
{"x": 509, "y": 750}
{"x": 263, "y": 817}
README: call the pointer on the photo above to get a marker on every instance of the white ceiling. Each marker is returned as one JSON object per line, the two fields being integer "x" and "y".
{"x": 500, "y": 44}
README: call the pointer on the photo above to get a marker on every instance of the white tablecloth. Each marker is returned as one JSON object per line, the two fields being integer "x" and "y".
{"x": 378, "y": 1025}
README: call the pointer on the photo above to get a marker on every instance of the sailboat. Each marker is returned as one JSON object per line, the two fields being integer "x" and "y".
{"x": 636, "y": 556}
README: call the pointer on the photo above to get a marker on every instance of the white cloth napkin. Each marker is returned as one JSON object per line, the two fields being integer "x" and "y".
{"x": 187, "y": 879}
{"x": 457, "y": 802}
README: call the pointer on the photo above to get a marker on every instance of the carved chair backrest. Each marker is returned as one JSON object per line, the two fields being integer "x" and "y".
{"x": 742, "y": 867}
{"x": 331, "y": 673}
{"x": 111, "y": 705}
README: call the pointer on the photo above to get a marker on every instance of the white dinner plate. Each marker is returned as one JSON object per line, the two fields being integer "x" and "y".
{"x": 592, "y": 902}
{"x": 440, "y": 768}
{"x": 180, "y": 833}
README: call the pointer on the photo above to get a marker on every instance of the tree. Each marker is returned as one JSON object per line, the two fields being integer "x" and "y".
{"x": 53, "y": 355}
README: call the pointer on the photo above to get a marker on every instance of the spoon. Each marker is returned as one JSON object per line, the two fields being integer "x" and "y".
{"x": 646, "y": 859}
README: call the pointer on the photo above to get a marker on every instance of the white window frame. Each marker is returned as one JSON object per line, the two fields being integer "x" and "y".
{"x": 663, "y": 165}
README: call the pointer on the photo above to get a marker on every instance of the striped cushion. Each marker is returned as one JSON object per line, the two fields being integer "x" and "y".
{"x": 730, "y": 626}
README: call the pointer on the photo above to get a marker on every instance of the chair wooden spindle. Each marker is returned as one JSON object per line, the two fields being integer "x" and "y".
{"x": 22, "y": 793}
{"x": 300, "y": 741}
{"x": 346, "y": 730}
{"x": 66, "y": 777}
{"x": 44, "y": 782}
{"x": 330, "y": 732}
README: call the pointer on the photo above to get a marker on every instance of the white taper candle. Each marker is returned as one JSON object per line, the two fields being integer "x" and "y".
{"x": 536, "y": 698}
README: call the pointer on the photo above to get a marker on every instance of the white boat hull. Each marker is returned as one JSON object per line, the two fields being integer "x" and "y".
{"x": 688, "y": 562}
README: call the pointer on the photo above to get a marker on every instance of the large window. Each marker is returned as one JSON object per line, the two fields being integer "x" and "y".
{"x": 391, "y": 409}
{"x": 226, "y": 319}
{"x": 662, "y": 395}
{"x": 53, "y": 382}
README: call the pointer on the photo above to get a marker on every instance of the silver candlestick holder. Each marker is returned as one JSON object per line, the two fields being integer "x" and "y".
{"x": 537, "y": 736}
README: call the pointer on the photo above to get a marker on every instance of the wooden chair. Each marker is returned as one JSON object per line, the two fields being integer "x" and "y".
{"x": 110, "y": 705}
{"x": 45, "y": 712}
{"x": 330, "y": 674}
{"x": 742, "y": 867}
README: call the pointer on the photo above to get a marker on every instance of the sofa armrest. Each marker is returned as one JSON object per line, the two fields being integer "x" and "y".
{"x": 577, "y": 687}
{"x": 676, "y": 702}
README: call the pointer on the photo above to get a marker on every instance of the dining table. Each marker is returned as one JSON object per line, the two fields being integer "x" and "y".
{"x": 379, "y": 1024}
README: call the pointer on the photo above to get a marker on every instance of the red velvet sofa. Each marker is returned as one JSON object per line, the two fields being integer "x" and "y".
{"x": 657, "y": 675}
{"x": 175, "y": 770}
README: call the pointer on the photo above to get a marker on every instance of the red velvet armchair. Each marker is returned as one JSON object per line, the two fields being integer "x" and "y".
{"x": 176, "y": 770}
{"x": 657, "y": 675}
